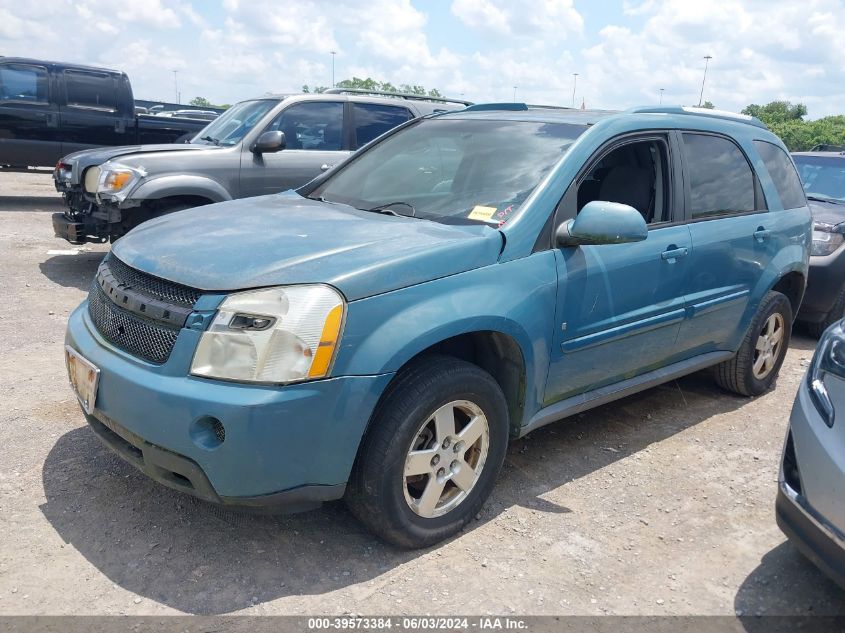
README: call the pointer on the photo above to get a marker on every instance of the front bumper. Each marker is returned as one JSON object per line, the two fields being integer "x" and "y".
{"x": 809, "y": 508}
{"x": 283, "y": 445}
{"x": 824, "y": 281}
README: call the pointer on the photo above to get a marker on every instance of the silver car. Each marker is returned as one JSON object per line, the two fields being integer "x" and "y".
{"x": 810, "y": 504}
{"x": 256, "y": 147}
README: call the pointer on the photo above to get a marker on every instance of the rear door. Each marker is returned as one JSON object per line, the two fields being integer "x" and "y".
{"x": 734, "y": 238}
{"x": 316, "y": 138}
{"x": 28, "y": 116}
{"x": 92, "y": 111}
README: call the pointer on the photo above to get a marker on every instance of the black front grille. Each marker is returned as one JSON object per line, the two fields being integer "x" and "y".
{"x": 154, "y": 287}
{"x": 140, "y": 337}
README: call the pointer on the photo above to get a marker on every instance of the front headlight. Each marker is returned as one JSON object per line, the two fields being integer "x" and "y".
{"x": 825, "y": 239}
{"x": 115, "y": 181}
{"x": 276, "y": 335}
{"x": 828, "y": 359}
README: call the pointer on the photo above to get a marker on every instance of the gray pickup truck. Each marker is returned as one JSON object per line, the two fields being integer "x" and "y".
{"x": 256, "y": 147}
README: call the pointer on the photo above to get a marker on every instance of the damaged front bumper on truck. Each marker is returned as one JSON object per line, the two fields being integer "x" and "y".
{"x": 83, "y": 220}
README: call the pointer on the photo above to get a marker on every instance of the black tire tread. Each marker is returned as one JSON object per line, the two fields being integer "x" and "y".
{"x": 836, "y": 312}
{"x": 733, "y": 374}
{"x": 367, "y": 501}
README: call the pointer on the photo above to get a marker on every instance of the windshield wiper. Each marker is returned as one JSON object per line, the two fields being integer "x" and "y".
{"x": 820, "y": 198}
{"x": 385, "y": 208}
{"x": 211, "y": 139}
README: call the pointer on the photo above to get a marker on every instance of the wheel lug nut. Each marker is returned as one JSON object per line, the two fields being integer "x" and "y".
{"x": 459, "y": 447}
{"x": 435, "y": 460}
{"x": 454, "y": 466}
{"x": 441, "y": 472}
{"x": 446, "y": 443}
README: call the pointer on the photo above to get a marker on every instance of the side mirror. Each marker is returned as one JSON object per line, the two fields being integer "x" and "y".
{"x": 601, "y": 222}
{"x": 268, "y": 143}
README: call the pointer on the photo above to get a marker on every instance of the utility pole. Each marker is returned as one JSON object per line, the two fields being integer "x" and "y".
{"x": 514, "y": 94}
{"x": 661, "y": 96}
{"x": 574, "y": 83}
{"x": 176, "y": 85}
{"x": 333, "y": 54}
{"x": 707, "y": 59}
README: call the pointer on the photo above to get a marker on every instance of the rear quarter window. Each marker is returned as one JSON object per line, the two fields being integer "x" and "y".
{"x": 783, "y": 174}
{"x": 721, "y": 180}
{"x": 372, "y": 120}
{"x": 91, "y": 90}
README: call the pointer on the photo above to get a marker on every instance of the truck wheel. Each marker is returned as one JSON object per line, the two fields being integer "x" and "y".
{"x": 432, "y": 453}
{"x": 755, "y": 366}
{"x": 836, "y": 313}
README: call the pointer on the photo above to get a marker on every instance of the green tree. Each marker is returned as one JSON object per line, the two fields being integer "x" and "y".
{"x": 777, "y": 112}
{"x": 201, "y": 102}
{"x": 709, "y": 105}
{"x": 368, "y": 83}
{"x": 314, "y": 90}
{"x": 787, "y": 121}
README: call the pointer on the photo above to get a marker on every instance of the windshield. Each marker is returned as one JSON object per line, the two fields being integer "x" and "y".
{"x": 231, "y": 126}
{"x": 452, "y": 170}
{"x": 822, "y": 176}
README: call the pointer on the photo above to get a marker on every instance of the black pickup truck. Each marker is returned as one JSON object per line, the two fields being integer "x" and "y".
{"x": 50, "y": 109}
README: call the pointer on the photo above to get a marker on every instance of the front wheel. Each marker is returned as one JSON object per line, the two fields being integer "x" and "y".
{"x": 432, "y": 453}
{"x": 757, "y": 362}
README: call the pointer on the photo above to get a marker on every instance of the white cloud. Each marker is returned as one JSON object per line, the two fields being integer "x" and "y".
{"x": 520, "y": 18}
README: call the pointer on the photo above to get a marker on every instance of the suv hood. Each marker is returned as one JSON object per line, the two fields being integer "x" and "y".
{"x": 82, "y": 160}
{"x": 287, "y": 239}
{"x": 827, "y": 212}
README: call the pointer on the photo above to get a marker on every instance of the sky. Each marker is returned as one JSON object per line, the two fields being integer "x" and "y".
{"x": 624, "y": 51}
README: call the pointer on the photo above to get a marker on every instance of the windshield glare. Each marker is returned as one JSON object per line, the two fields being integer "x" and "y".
{"x": 821, "y": 176}
{"x": 231, "y": 126}
{"x": 453, "y": 170}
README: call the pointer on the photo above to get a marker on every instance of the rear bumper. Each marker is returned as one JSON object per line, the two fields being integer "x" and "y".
{"x": 817, "y": 540}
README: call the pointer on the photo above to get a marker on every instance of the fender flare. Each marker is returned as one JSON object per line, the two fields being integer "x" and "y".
{"x": 179, "y": 185}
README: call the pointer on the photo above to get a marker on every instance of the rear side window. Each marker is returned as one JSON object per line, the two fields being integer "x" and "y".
{"x": 22, "y": 83}
{"x": 94, "y": 91}
{"x": 721, "y": 180}
{"x": 783, "y": 174}
{"x": 373, "y": 120}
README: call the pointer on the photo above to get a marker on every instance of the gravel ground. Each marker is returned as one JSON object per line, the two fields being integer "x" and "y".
{"x": 662, "y": 503}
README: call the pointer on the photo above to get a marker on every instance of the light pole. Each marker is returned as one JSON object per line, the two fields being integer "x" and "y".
{"x": 176, "y": 85}
{"x": 514, "y": 94}
{"x": 333, "y": 54}
{"x": 661, "y": 96}
{"x": 707, "y": 59}
{"x": 574, "y": 83}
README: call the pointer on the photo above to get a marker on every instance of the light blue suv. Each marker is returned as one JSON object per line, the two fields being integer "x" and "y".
{"x": 380, "y": 333}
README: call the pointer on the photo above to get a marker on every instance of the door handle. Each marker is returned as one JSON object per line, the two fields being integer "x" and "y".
{"x": 674, "y": 253}
{"x": 325, "y": 167}
{"x": 762, "y": 234}
{"x": 52, "y": 119}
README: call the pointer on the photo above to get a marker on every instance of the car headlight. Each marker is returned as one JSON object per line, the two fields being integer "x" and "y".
{"x": 115, "y": 181}
{"x": 276, "y": 335}
{"x": 829, "y": 359}
{"x": 826, "y": 239}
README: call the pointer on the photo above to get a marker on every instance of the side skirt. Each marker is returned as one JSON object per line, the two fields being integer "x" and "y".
{"x": 609, "y": 393}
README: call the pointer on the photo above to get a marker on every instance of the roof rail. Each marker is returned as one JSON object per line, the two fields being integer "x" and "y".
{"x": 401, "y": 95}
{"x": 828, "y": 147}
{"x": 511, "y": 107}
{"x": 716, "y": 114}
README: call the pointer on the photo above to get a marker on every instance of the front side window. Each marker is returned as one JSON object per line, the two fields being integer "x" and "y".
{"x": 317, "y": 125}
{"x": 372, "y": 120}
{"x": 636, "y": 174}
{"x": 21, "y": 83}
{"x": 93, "y": 91}
{"x": 721, "y": 180}
{"x": 230, "y": 127}
{"x": 453, "y": 170}
{"x": 783, "y": 174}
{"x": 823, "y": 176}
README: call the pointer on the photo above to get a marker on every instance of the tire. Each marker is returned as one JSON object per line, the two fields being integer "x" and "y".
{"x": 393, "y": 504}
{"x": 836, "y": 313}
{"x": 746, "y": 373}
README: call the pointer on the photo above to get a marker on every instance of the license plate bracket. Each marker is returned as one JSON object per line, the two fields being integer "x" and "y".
{"x": 84, "y": 378}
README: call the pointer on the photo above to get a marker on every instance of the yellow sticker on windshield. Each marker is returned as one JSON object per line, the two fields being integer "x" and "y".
{"x": 482, "y": 213}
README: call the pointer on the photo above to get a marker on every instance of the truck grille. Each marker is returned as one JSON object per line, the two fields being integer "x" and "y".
{"x": 148, "y": 338}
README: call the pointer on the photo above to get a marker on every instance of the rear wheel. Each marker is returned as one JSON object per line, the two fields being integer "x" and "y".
{"x": 431, "y": 456}
{"x": 755, "y": 367}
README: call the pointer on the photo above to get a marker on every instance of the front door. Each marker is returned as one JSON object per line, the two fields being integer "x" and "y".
{"x": 28, "y": 116}
{"x": 620, "y": 306}
{"x": 315, "y": 140}
{"x": 93, "y": 114}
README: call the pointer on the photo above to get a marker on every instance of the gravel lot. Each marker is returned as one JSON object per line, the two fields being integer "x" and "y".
{"x": 662, "y": 503}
